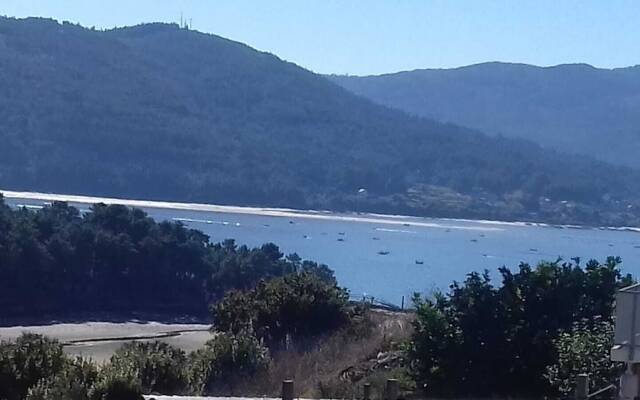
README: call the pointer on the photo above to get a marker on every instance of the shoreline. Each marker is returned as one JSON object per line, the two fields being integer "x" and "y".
{"x": 389, "y": 219}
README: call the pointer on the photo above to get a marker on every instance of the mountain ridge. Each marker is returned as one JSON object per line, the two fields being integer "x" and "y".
{"x": 484, "y": 64}
{"x": 165, "y": 113}
{"x": 574, "y": 108}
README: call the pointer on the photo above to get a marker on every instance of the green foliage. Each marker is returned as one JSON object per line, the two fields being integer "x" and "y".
{"x": 25, "y": 362}
{"x": 118, "y": 260}
{"x": 115, "y": 385}
{"x": 74, "y": 382}
{"x": 480, "y": 340}
{"x": 34, "y": 368}
{"x": 225, "y": 361}
{"x": 300, "y": 305}
{"x": 156, "y": 366}
{"x": 173, "y": 114}
{"x": 584, "y": 349}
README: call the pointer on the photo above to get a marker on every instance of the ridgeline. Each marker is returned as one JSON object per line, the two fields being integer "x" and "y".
{"x": 163, "y": 113}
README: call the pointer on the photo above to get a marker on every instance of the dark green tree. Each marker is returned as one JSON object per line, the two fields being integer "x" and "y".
{"x": 483, "y": 340}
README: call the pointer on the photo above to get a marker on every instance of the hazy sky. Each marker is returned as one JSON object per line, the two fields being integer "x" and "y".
{"x": 375, "y": 36}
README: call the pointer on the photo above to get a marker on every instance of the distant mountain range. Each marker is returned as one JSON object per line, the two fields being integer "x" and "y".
{"x": 159, "y": 112}
{"x": 573, "y": 108}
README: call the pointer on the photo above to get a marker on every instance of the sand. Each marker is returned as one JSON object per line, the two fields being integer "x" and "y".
{"x": 271, "y": 212}
{"x": 98, "y": 340}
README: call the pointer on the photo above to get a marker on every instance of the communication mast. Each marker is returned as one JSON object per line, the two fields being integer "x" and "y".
{"x": 185, "y": 23}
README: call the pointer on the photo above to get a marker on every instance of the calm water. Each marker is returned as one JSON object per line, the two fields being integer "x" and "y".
{"x": 447, "y": 249}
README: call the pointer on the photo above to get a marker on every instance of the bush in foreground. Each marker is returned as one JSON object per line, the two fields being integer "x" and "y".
{"x": 157, "y": 367}
{"x": 584, "y": 350}
{"x": 74, "y": 382}
{"x": 26, "y": 361}
{"x": 224, "y": 361}
{"x": 482, "y": 340}
{"x": 296, "y": 306}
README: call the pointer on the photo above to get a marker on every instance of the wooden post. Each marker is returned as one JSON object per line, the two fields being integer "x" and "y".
{"x": 402, "y": 307}
{"x": 287, "y": 390}
{"x": 582, "y": 387}
{"x": 392, "y": 389}
{"x": 367, "y": 391}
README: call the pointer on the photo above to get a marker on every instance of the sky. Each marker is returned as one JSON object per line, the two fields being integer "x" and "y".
{"x": 362, "y": 37}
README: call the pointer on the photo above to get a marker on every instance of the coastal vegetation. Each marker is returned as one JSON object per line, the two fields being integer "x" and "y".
{"x": 158, "y": 112}
{"x": 275, "y": 317}
{"x": 115, "y": 260}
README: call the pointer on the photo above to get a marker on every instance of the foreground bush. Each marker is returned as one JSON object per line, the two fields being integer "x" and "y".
{"x": 224, "y": 361}
{"x": 300, "y": 305}
{"x": 26, "y": 361}
{"x": 116, "y": 387}
{"x": 157, "y": 367}
{"x": 74, "y": 382}
{"x": 481, "y": 340}
{"x": 584, "y": 350}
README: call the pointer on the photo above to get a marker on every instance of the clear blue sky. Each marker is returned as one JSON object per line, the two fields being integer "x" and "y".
{"x": 375, "y": 36}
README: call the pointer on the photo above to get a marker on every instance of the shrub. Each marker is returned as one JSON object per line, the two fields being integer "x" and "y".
{"x": 301, "y": 305}
{"x": 116, "y": 387}
{"x": 584, "y": 350}
{"x": 73, "y": 383}
{"x": 484, "y": 340}
{"x": 224, "y": 360}
{"x": 157, "y": 367}
{"x": 26, "y": 361}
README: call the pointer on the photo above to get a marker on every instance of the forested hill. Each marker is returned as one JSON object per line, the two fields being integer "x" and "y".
{"x": 575, "y": 108}
{"x": 159, "y": 112}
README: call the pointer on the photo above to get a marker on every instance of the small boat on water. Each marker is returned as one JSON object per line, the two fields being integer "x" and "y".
{"x": 340, "y": 240}
{"x": 375, "y": 238}
{"x": 383, "y": 253}
{"x": 534, "y": 250}
{"x": 474, "y": 240}
{"x": 419, "y": 262}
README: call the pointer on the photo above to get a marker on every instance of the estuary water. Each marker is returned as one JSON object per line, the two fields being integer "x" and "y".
{"x": 387, "y": 257}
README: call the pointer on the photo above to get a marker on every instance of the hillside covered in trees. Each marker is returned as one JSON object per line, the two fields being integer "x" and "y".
{"x": 159, "y": 112}
{"x": 574, "y": 108}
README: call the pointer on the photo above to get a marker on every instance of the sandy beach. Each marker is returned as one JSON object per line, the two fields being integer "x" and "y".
{"x": 398, "y": 220}
{"x": 404, "y": 220}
